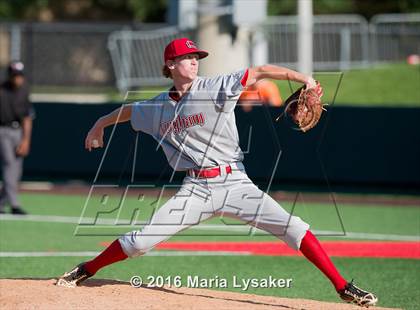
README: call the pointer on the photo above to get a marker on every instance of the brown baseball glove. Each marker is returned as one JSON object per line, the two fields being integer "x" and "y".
{"x": 304, "y": 106}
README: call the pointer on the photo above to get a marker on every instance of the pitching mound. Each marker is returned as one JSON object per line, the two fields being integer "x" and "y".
{"x": 111, "y": 294}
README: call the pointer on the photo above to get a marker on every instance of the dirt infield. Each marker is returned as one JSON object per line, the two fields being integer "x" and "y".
{"x": 111, "y": 294}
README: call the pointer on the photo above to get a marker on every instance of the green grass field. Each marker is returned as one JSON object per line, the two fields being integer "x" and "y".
{"x": 395, "y": 85}
{"x": 394, "y": 280}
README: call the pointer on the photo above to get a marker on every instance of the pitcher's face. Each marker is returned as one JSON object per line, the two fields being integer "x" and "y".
{"x": 185, "y": 66}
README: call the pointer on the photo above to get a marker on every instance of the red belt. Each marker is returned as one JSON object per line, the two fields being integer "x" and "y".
{"x": 209, "y": 173}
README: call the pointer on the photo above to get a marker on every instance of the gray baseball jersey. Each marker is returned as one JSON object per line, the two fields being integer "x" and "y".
{"x": 199, "y": 130}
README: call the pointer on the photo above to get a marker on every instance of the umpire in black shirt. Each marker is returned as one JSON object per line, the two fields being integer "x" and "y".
{"x": 15, "y": 134}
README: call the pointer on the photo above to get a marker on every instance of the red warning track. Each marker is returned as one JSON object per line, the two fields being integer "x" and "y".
{"x": 333, "y": 248}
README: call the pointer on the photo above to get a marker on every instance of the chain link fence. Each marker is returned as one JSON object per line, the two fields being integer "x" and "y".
{"x": 62, "y": 54}
{"x": 129, "y": 55}
{"x": 339, "y": 41}
{"x": 394, "y": 36}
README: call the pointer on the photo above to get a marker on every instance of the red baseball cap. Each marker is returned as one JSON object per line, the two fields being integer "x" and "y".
{"x": 182, "y": 46}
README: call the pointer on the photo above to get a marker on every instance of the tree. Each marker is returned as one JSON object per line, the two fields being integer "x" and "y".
{"x": 82, "y": 10}
{"x": 367, "y": 8}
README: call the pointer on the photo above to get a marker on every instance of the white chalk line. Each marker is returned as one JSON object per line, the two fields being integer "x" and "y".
{"x": 88, "y": 223}
{"x": 93, "y": 253}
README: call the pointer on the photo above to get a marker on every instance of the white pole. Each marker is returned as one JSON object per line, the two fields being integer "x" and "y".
{"x": 345, "y": 46}
{"x": 16, "y": 38}
{"x": 305, "y": 36}
{"x": 209, "y": 38}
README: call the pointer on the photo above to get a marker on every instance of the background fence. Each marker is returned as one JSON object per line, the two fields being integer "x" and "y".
{"x": 341, "y": 42}
{"x": 63, "y": 54}
{"x": 128, "y": 55}
{"x": 137, "y": 55}
{"x": 382, "y": 150}
{"x": 394, "y": 36}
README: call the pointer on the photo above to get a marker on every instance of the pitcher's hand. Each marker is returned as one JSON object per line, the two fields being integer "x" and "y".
{"x": 94, "y": 138}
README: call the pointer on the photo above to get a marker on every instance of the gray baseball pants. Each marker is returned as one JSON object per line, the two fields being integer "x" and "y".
{"x": 11, "y": 165}
{"x": 229, "y": 195}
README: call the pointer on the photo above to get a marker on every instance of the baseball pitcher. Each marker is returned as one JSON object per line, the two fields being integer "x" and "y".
{"x": 194, "y": 123}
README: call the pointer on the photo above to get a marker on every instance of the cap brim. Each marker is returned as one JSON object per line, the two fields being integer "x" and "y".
{"x": 16, "y": 73}
{"x": 202, "y": 54}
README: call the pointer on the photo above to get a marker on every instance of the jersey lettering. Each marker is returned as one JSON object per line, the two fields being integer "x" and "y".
{"x": 181, "y": 123}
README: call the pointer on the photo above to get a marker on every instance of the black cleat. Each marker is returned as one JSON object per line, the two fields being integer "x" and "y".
{"x": 18, "y": 211}
{"x": 352, "y": 294}
{"x": 74, "y": 277}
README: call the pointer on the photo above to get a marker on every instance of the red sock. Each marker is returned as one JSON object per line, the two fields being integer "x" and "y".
{"x": 110, "y": 255}
{"x": 312, "y": 249}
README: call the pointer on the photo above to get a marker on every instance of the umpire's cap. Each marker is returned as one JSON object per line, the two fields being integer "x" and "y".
{"x": 15, "y": 68}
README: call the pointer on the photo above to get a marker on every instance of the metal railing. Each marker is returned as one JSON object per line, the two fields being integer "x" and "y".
{"x": 340, "y": 41}
{"x": 63, "y": 54}
{"x": 130, "y": 55}
{"x": 137, "y": 56}
{"x": 394, "y": 36}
